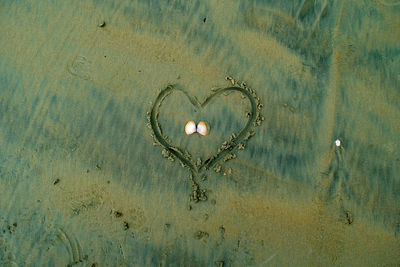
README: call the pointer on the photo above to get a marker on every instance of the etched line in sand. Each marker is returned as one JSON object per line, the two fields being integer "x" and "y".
{"x": 80, "y": 67}
{"x": 72, "y": 245}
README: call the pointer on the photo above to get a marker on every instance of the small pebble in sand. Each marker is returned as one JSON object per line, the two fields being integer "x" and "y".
{"x": 337, "y": 143}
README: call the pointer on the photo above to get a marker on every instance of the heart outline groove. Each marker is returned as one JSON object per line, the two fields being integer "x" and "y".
{"x": 224, "y": 152}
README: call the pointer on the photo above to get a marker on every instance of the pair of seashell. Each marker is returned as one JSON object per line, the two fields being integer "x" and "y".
{"x": 190, "y": 128}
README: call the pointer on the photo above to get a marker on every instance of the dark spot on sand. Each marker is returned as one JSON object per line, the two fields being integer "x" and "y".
{"x": 117, "y": 214}
{"x": 349, "y": 217}
{"x": 200, "y": 235}
{"x": 10, "y": 229}
{"x": 222, "y": 230}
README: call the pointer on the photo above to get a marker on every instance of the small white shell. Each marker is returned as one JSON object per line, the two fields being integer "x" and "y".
{"x": 337, "y": 142}
{"x": 190, "y": 127}
{"x": 202, "y": 128}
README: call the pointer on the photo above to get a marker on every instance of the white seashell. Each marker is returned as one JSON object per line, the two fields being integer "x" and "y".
{"x": 202, "y": 128}
{"x": 337, "y": 142}
{"x": 190, "y": 127}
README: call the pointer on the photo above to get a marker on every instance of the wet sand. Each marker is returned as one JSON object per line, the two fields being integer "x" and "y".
{"x": 83, "y": 182}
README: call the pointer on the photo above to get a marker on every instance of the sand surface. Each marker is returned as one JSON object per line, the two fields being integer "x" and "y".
{"x": 85, "y": 182}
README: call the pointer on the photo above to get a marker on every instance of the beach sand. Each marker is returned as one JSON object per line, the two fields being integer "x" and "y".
{"x": 85, "y": 182}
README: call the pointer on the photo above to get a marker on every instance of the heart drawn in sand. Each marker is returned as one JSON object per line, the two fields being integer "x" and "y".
{"x": 254, "y": 119}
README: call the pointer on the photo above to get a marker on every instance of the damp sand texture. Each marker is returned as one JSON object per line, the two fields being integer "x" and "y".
{"x": 83, "y": 182}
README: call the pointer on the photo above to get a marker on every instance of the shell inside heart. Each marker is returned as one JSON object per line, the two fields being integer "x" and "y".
{"x": 201, "y": 128}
